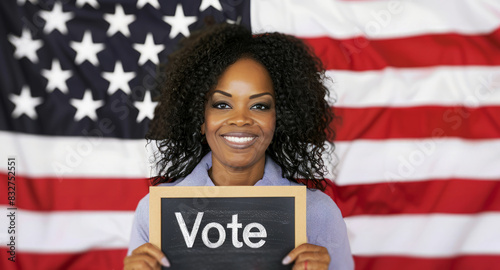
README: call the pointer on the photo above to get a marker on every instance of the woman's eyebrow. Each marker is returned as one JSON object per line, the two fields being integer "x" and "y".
{"x": 259, "y": 95}
{"x": 251, "y": 97}
{"x": 222, "y": 92}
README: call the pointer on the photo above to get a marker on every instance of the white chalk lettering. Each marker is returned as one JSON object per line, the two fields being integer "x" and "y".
{"x": 247, "y": 234}
{"x": 190, "y": 237}
{"x": 234, "y": 225}
{"x": 222, "y": 235}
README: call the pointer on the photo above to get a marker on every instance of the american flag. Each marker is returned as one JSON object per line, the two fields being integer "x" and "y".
{"x": 416, "y": 84}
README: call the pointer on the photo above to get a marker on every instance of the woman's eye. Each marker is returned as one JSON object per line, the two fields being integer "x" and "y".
{"x": 262, "y": 107}
{"x": 221, "y": 105}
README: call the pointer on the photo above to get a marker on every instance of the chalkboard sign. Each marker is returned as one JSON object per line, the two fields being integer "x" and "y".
{"x": 235, "y": 227}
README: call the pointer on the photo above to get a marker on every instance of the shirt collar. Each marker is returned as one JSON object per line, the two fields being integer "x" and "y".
{"x": 199, "y": 175}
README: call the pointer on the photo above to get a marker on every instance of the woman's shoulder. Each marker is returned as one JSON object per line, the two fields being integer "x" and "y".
{"x": 319, "y": 198}
{"x": 320, "y": 206}
{"x": 143, "y": 204}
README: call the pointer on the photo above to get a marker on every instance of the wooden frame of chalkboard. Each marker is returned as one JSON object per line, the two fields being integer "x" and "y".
{"x": 189, "y": 225}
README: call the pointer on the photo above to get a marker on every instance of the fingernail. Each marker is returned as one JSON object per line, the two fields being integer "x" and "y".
{"x": 165, "y": 262}
{"x": 286, "y": 260}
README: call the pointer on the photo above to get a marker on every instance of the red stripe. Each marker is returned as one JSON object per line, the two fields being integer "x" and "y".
{"x": 417, "y": 51}
{"x": 454, "y": 196}
{"x": 113, "y": 259}
{"x": 52, "y": 194}
{"x": 436, "y": 196}
{"x": 417, "y": 122}
{"x": 93, "y": 259}
{"x": 466, "y": 262}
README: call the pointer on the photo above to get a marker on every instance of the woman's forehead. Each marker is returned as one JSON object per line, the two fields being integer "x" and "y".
{"x": 245, "y": 74}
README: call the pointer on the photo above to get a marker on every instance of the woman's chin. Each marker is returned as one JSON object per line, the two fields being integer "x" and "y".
{"x": 241, "y": 161}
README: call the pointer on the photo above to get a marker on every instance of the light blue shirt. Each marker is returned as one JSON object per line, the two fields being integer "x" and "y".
{"x": 325, "y": 226}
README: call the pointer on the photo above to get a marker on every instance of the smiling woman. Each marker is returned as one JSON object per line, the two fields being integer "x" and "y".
{"x": 243, "y": 109}
{"x": 240, "y": 119}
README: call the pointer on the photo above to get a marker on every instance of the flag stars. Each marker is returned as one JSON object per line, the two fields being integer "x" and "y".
{"x": 86, "y": 49}
{"x": 26, "y": 46}
{"x": 153, "y": 3}
{"x": 119, "y": 21}
{"x": 56, "y": 77}
{"x": 179, "y": 22}
{"x": 238, "y": 20}
{"x": 93, "y": 3}
{"x": 22, "y": 2}
{"x": 118, "y": 79}
{"x": 56, "y": 19}
{"x": 146, "y": 107}
{"x": 210, "y": 3}
{"x": 25, "y": 103}
{"x": 86, "y": 107}
{"x": 149, "y": 50}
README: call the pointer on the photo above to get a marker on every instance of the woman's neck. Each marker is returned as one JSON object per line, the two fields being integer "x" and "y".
{"x": 227, "y": 176}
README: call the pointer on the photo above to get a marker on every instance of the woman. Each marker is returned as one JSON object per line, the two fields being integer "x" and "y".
{"x": 238, "y": 109}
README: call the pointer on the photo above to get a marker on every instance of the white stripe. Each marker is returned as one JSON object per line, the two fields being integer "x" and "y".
{"x": 360, "y": 161}
{"x": 402, "y": 87}
{"x": 385, "y": 161}
{"x": 436, "y": 235}
{"x": 70, "y": 231}
{"x": 374, "y": 19}
{"x": 44, "y": 156}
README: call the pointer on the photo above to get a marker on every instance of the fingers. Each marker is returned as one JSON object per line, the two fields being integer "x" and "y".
{"x": 146, "y": 256}
{"x": 135, "y": 262}
{"x": 309, "y": 265}
{"x": 311, "y": 256}
{"x": 308, "y": 256}
{"x": 152, "y": 251}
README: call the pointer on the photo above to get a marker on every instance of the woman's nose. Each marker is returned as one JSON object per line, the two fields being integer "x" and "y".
{"x": 240, "y": 117}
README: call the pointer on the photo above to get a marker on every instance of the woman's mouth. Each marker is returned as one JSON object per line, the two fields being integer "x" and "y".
{"x": 240, "y": 141}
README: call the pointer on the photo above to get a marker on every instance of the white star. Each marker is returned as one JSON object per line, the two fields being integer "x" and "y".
{"x": 26, "y": 46}
{"x": 87, "y": 49}
{"x": 56, "y": 19}
{"x": 213, "y": 3}
{"x": 179, "y": 22}
{"x": 238, "y": 20}
{"x": 149, "y": 50}
{"x": 93, "y": 3}
{"x": 56, "y": 77}
{"x": 118, "y": 79}
{"x": 22, "y": 2}
{"x": 25, "y": 103}
{"x": 142, "y": 3}
{"x": 146, "y": 108}
{"x": 119, "y": 21}
{"x": 86, "y": 106}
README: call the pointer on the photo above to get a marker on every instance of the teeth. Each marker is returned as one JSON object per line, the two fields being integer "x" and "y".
{"x": 238, "y": 139}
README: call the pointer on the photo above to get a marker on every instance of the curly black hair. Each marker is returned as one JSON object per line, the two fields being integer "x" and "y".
{"x": 303, "y": 115}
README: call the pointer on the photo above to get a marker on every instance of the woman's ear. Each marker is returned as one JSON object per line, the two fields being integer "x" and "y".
{"x": 203, "y": 129}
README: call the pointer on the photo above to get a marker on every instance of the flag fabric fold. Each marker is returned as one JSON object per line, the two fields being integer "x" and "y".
{"x": 415, "y": 86}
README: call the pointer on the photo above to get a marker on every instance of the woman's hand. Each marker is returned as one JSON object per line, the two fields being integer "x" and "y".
{"x": 146, "y": 256}
{"x": 308, "y": 257}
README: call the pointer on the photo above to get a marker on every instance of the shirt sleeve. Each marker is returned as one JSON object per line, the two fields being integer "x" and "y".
{"x": 140, "y": 227}
{"x": 326, "y": 228}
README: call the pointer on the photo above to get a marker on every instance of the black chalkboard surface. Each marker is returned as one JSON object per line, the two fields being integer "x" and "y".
{"x": 227, "y": 232}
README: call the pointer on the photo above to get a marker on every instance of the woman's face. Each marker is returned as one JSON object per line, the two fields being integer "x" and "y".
{"x": 240, "y": 115}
